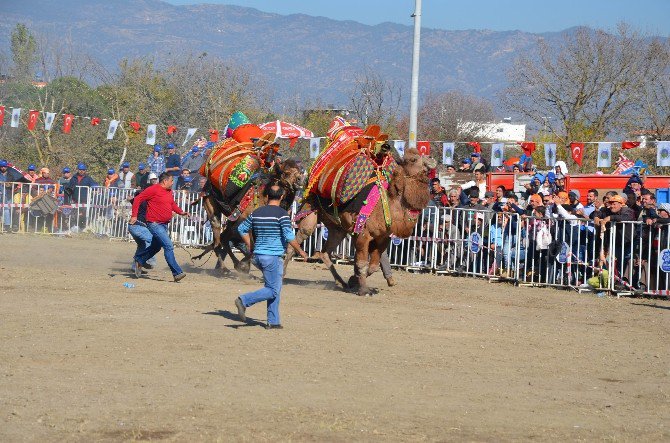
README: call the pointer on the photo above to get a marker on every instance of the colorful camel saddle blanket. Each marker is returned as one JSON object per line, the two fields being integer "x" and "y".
{"x": 230, "y": 167}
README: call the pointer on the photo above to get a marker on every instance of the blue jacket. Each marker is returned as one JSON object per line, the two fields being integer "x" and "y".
{"x": 80, "y": 188}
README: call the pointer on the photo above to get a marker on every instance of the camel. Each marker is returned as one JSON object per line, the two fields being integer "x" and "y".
{"x": 288, "y": 174}
{"x": 408, "y": 195}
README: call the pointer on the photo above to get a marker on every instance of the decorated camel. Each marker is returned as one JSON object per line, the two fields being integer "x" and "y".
{"x": 354, "y": 189}
{"x": 237, "y": 170}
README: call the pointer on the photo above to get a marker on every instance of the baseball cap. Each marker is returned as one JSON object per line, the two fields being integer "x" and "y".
{"x": 574, "y": 194}
{"x": 141, "y": 166}
{"x": 125, "y": 165}
{"x": 3, "y": 163}
{"x": 66, "y": 170}
{"x": 81, "y": 166}
{"x": 489, "y": 194}
{"x": 31, "y": 167}
{"x": 152, "y": 176}
{"x": 194, "y": 149}
{"x": 110, "y": 171}
{"x": 466, "y": 161}
{"x": 475, "y": 154}
{"x": 157, "y": 148}
{"x": 170, "y": 146}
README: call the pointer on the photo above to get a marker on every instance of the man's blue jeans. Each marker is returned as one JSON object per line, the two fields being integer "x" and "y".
{"x": 161, "y": 239}
{"x": 142, "y": 237}
{"x": 272, "y": 267}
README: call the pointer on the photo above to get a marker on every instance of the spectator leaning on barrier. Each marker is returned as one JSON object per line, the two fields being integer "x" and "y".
{"x": 32, "y": 174}
{"x": 592, "y": 203}
{"x": 126, "y": 176}
{"x": 173, "y": 164}
{"x": 156, "y": 161}
{"x": 141, "y": 177}
{"x": 45, "y": 177}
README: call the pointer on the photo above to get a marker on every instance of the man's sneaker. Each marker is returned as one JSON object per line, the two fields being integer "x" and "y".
{"x": 179, "y": 276}
{"x": 240, "y": 309}
{"x": 137, "y": 268}
{"x": 269, "y": 326}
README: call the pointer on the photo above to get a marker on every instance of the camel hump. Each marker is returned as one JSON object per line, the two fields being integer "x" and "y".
{"x": 230, "y": 166}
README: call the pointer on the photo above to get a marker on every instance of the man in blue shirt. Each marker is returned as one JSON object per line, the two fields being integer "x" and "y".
{"x": 156, "y": 161}
{"x": 272, "y": 231}
{"x": 173, "y": 164}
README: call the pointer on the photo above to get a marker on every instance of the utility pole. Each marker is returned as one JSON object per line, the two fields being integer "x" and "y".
{"x": 414, "y": 95}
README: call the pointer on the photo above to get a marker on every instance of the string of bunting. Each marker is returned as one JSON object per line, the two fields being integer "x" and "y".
{"x": 604, "y": 158}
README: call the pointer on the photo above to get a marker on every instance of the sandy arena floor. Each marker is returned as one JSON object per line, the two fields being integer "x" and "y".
{"x": 434, "y": 358}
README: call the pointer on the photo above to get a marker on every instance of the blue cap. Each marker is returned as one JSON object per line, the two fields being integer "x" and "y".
{"x": 170, "y": 145}
{"x": 125, "y": 165}
{"x": 194, "y": 149}
{"x": 66, "y": 169}
{"x": 31, "y": 167}
{"x": 110, "y": 171}
{"x": 188, "y": 179}
{"x": 466, "y": 161}
{"x": 81, "y": 166}
{"x": 3, "y": 163}
{"x": 475, "y": 154}
{"x": 141, "y": 166}
{"x": 157, "y": 148}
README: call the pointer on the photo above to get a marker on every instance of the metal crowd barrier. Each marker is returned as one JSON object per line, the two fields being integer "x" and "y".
{"x": 626, "y": 257}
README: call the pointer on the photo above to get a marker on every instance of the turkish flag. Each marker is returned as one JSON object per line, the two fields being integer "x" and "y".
{"x": 32, "y": 119}
{"x": 95, "y": 121}
{"x": 630, "y": 145}
{"x": 423, "y": 147}
{"x": 135, "y": 126}
{"x": 577, "y": 152}
{"x": 213, "y": 135}
{"x": 476, "y": 145}
{"x": 67, "y": 123}
{"x": 528, "y": 148}
{"x": 171, "y": 130}
{"x": 2, "y": 115}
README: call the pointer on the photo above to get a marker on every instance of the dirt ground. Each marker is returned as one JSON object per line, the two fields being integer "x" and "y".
{"x": 434, "y": 358}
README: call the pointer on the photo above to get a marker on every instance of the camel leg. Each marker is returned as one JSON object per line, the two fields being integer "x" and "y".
{"x": 335, "y": 237}
{"x": 306, "y": 227}
{"x": 362, "y": 262}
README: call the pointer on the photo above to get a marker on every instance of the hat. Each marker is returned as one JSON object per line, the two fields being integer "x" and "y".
{"x": 539, "y": 177}
{"x": 170, "y": 146}
{"x": 466, "y": 161}
{"x": 635, "y": 179}
{"x": 141, "y": 166}
{"x": 31, "y": 167}
{"x": 574, "y": 194}
{"x": 3, "y": 163}
{"x": 125, "y": 165}
{"x": 152, "y": 176}
{"x": 110, "y": 171}
{"x": 66, "y": 170}
{"x": 236, "y": 120}
{"x": 81, "y": 166}
{"x": 664, "y": 207}
{"x": 489, "y": 194}
{"x": 475, "y": 154}
{"x": 158, "y": 148}
{"x": 563, "y": 194}
{"x": 194, "y": 149}
{"x": 618, "y": 199}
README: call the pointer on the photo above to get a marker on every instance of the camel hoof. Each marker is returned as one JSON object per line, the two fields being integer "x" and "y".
{"x": 364, "y": 291}
{"x": 353, "y": 282}
{"x": 243, "y": 267}
{"x": 391, "y": 281}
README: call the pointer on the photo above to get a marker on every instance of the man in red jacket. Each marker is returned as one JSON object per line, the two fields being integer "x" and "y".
{"x": 160, "y": 205}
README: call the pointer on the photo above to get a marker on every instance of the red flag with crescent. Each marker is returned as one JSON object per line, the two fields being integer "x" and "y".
{"x": 630, "y": 145}
{"x": 67, "y": 123}
{"x": 528, "y": 148}
{"x": 135, "y": 125}
{"x": 171, "y": 129}
{"x": 476, "y": 146}
{"x": 95, "y": 121}
{"x": 423, "y": 147}
{"x": 577, "y": 149}
{"x": 213, "y": 135}
{"x": 2, "y": 115}
{"x": 32, "y": 119}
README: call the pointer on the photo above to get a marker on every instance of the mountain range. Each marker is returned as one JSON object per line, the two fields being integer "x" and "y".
{"x": 300, "y": 56}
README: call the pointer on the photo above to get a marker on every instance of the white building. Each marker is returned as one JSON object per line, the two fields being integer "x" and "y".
{"x": 504, "y": 131}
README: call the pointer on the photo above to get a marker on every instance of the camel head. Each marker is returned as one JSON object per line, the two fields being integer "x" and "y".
{"x": 290, "y": 175}
{"x": 410, "y": 180}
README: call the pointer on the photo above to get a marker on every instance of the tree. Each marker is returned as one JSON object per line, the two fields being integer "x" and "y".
{"x": 375, "y": 100}
{"x": 585, "y": 88}
{"x": 453, "y": 116}
{"x": 23, "y": 52}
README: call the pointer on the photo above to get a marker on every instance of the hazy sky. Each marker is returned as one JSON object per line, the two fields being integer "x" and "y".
{"x": 647, "y": 16}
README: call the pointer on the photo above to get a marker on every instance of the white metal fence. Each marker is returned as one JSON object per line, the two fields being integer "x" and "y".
{"x": 626, "y": 257}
